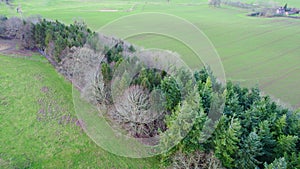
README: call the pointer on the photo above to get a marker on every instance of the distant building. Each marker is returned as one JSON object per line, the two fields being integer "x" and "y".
{"x": 280, "y": 11}
{"x": 286, "y": 11}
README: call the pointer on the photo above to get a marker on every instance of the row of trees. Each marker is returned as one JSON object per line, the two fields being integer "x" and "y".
{"x": 252, "y": 132}
{"x": 216, "y": 126}
{"x": 51, "y": 37}
{"x": 215, "y": 3}
{"x": 7, "y": 2}
{"x": 54, "y": 37}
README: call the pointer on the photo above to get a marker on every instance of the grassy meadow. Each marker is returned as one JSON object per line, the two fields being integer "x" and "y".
{"x": 38, "y": 122}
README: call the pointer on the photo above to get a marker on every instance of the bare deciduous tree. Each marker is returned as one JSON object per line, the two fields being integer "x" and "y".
{"x": 26, "y": 36}
{"x": 134, "y": 105}
{"x": 215, "y": 3}
{"x": 195, "y": 160}
{"x": 80, "y": 66}
{"x": 101, "y": 90}
{"x": 13, "y": 26}
{"x": 139, "y": 112}
{"x": 7, "y": 2}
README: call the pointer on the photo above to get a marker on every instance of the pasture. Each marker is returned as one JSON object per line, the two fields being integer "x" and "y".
{"x": 39, "y": 126}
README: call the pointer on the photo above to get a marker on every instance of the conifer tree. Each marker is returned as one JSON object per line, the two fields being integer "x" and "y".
{"x": 267, "y": 140}
{"x": 250, "y": 149}
{"x": 226, "y": 140}
{"x": 277, "y": 164}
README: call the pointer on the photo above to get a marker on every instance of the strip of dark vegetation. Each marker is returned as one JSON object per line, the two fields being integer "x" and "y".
{"x": 7, "y": 2}
{"x": 277, "y": 12}
{"x": 252, "y": 132}
{"x": 264, "y": 10}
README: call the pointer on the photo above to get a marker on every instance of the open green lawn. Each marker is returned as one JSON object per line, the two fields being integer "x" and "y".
{"x": 254, "y": 51}
{"x": 38, "y": 123}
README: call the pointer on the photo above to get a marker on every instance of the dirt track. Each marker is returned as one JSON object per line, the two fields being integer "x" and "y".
{"x": 12, "y": 47}
{"x": 3, "y": 47}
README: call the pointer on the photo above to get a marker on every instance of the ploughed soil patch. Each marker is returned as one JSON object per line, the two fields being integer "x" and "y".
{"x": 4, "y": 47}
{"x": 13, "y": 47}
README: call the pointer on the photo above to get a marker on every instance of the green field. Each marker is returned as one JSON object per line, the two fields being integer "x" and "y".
{"x": 254, "y": 51}
{"x": 38, "y": 127}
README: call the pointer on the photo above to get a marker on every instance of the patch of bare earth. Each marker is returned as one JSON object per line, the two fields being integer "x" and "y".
{"x": 45, "y": 89}
{"x": 3, "y": 101}
{"x": 39, "y": 77}
{"x": 108, "y": 10}
{"x": 4, "y": 47}
{"x": 3, "y": 163}
{"x": 13, "y": 47}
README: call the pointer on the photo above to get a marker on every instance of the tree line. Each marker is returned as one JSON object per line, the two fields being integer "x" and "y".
{"x": 7, "y": 2}
{"x": 51, "y": 37}
{"x": 252, "y": 131}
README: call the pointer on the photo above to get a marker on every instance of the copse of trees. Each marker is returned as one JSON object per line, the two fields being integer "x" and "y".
{"x": 51, "y": 37}
{"x": 252, "y": 132}
{"x": 54, "y": 37}
{"x": 2, "y": 25}
{"x": 215, "y": 3}
{"x": 7, "y": 2}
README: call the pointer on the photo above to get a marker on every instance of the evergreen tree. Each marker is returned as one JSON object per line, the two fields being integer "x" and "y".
{"x": 250, "y": 149}
{"x": 226, "y": 140}
{"x": 172, "y": 93}
{"x": 205, "y": 91}
{"x": 286, "y": 144}
{"x": 277, "y": 164}
{"x": 293, "y": 123}
{"x": 268, "y": 142}
{"x": 232, "y": 102}
{"x": 179, "y": 124}
{"x": 120, "y": 84}
{"x": 293, "y": 160}
{"x": 106, "y": 72}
